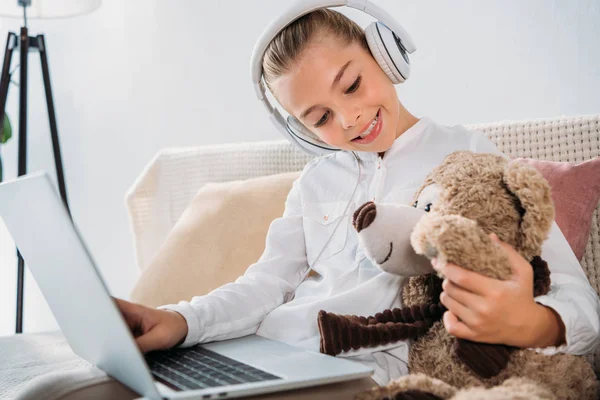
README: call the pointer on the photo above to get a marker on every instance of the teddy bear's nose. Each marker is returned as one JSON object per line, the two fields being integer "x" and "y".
{"x": 364, "y": 216}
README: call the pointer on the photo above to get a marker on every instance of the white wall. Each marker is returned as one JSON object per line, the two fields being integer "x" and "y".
{"x": 140, "y": 75}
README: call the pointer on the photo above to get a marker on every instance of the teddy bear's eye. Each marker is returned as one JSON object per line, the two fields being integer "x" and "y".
{"x": 428, "y": 207}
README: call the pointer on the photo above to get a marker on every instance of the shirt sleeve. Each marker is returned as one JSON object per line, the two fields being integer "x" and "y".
{"x": 237, "y": 309}
{"x": 571, "y": 294}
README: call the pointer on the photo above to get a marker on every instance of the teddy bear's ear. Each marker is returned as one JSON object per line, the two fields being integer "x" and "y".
{"x": 438, "y": 171}
{"x": 428, "y": 181}
{"x": 534, "y": 195}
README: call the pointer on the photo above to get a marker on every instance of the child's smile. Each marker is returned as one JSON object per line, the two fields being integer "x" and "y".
{"x": 372, "y": 131}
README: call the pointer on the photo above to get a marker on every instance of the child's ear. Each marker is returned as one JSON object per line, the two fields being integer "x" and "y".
{"x": 533, "y": 193}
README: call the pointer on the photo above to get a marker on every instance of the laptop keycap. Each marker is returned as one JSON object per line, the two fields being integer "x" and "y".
{"x": 199, "y": 368}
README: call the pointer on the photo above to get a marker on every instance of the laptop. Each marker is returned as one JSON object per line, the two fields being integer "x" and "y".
{"x": 64, "y": 270}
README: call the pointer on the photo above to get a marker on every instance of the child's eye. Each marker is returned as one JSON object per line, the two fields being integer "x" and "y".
{"x": 322, "y": 121}
{"x": 354, "y": 86}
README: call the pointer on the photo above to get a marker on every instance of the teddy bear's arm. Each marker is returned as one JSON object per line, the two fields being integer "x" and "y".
{"x": 344, "y": 332}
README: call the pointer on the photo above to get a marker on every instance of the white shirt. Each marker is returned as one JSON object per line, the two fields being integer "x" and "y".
{"x": 273, "y": 299}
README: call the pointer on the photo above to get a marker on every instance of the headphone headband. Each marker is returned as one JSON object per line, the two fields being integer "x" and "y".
{"x": 296, "y": 10}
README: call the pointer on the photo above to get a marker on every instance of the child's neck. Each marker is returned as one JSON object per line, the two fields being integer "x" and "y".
{"x": 405, "y": 121}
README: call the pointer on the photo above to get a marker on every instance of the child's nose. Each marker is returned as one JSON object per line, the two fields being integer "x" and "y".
{"x": 351, "y": 119}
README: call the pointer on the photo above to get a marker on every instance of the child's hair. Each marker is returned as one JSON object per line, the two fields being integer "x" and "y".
{"x": 294, "y": 38}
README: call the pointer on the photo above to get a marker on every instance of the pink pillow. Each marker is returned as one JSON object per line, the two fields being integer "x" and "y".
{"x": 575, "y": 191}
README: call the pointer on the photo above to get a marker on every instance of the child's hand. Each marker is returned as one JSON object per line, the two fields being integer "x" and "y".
{"x": 153, "y": 329}
{"x": 484, "y": 309}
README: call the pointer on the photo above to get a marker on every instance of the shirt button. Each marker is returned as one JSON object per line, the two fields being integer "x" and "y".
{"x": 325, "y": 217}
{"x": 378, "y": 165}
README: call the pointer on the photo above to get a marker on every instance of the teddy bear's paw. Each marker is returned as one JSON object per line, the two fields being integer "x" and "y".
{"x": 511, "y": 389}
{"x": 459, "y": 240}
{"x": 486, "y": 360}
{"x": 444, "y": 236}
{"x": 411, "y": 387}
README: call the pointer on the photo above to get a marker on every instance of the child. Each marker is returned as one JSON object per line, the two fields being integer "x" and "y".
{"x": 321, "y": 71}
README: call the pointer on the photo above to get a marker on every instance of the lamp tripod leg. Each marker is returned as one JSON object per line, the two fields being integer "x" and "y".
{"x": 22, "y": 161}
{"x": 11, "y": 43}
{"x": 52, "y": 119}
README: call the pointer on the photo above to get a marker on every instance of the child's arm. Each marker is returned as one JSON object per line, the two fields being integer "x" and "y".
{"x": 571, "y": 297}
{"x": 236, "y": 309}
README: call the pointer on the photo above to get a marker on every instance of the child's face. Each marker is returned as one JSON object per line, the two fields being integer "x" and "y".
{"x": 339, "y": 92}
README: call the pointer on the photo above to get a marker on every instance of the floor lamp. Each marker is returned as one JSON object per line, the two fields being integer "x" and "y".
{"x": 34, "y": 9}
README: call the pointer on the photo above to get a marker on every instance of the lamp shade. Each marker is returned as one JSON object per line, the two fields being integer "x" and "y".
{"x": 43, "y": 9}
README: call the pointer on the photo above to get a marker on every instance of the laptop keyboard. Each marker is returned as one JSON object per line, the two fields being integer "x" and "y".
{"x": 199, "y": 368}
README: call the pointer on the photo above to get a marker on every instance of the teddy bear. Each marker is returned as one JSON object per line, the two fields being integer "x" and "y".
{"x": 461, "y": 202}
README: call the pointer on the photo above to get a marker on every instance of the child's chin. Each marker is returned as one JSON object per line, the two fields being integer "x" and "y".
{"x": 380, "y": 146}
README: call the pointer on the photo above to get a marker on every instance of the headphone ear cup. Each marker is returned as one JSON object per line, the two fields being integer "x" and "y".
{"x": 388, "y": 52}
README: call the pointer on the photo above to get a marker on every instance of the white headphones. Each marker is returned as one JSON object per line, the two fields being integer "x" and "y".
{"x": 388, "y": 41}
